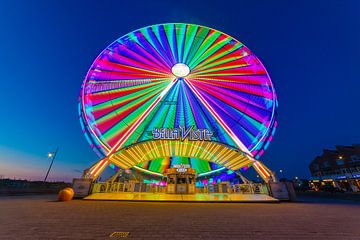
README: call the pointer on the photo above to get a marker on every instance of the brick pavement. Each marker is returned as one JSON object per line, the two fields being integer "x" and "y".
{"x": 40, "y": 217}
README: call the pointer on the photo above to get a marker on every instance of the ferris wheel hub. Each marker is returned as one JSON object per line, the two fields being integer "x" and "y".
{"x": 180, "y": 70}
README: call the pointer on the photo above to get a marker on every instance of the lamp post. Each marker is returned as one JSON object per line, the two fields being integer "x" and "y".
{"x": 51, "y": 155}
{"x": 282, "y": 173}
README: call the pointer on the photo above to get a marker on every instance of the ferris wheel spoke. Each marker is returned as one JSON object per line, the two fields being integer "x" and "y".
{"x": 218, "y": 70}
{"x": 222, "y": 52}
{"x": 223, "y": 64}
{"x": 118, "y": 75}
{"x": 235, "y": 109}
{"x": 248, "y": 70}
{"x": 219, "y": 119}
{"x": 148, "y": 41}
{"x": 180, "y": 40}
{"x": 99, "y": 95}
{"x": 255, "y": 119}
{"x": 194, "y": 108}
{"x": 130, "y": 59}
{"x": 242, "y": 124}
{"x": 110, "y": 69}
{"x": 238, "y": 90}
{"x": 191, "y": 31}
{"x": 163, "y": 116}
{"x": 251, "y": 80}
{"x": 154, "y": 45}
{"x": 204, "y": 47}
{"x": 257, "y": 106}
{"x": 160, "y": 42}
{"x": 139, "y": 54}
{"x": 122, "y": 100}
{"x": 146, "y": 49}
{"x": 141, "y": 118}
{"x": 170, "y": 34}
{"x": 197, "y": 44}
{"x": 237, "y": 67}
{"x": 212, "y": 48}
{"x": 99, "y": 88}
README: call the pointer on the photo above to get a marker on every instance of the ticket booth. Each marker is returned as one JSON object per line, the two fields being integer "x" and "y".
{"x": 180, "y": 179}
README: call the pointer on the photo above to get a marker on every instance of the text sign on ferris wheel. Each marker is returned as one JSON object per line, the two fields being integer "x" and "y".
{"x": 182, "y": 133}
{"x": 181, "y": 167}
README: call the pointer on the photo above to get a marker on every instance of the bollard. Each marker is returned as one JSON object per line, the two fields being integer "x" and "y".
{"x": 66, "y": 194}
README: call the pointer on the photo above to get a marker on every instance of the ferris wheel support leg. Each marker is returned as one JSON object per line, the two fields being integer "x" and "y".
{"x": 96, "y": 169}
{"x": 265, "y": 173}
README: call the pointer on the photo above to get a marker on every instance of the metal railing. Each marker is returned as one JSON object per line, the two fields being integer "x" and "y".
{"x": 107, "y": 187}
{"x": 113, "y": 187}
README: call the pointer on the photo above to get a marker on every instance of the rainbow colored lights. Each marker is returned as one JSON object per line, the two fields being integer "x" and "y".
{"x": 171, "y": 75}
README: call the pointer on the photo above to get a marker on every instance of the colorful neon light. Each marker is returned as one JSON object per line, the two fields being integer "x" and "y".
{"x": 142, "y": 81}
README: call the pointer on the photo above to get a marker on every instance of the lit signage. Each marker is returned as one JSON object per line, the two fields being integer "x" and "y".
{"x": 341, "y": 177}
{"x": 182, "y": 133}
{"x": 181, "y": 167}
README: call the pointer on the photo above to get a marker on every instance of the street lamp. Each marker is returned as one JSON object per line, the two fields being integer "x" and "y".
{"x": 282, "y": 173}
{"x": 52, "y": 157}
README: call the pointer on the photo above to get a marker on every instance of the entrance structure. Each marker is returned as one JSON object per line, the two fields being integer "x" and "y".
{"x": 178, "y": 94}
{"x": 180, "y": 179}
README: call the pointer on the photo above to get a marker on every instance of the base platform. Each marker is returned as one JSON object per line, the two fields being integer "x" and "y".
{"x": 198, "y": 197}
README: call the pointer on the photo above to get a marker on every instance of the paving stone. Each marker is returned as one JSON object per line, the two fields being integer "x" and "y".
{"x": 40, "y": 217}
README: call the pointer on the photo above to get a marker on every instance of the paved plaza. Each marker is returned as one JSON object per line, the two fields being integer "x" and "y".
{"x": 40, "y": 217}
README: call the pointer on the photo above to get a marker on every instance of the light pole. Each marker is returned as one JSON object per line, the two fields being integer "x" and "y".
{"x": 51, "y": 155}
{"x": 282, "y": 173}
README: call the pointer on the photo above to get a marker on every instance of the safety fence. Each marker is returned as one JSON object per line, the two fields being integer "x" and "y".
{"x": 108, "y": 187}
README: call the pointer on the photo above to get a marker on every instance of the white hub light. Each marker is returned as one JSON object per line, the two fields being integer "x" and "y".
{"x": 180, "y": 70}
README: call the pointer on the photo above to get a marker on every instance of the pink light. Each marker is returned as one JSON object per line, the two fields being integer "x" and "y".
{"x": 125, "y": 137}
{"x": 261, "y": 152}
{"x": 104, "y": 162}
{"x": 218, "y": 118}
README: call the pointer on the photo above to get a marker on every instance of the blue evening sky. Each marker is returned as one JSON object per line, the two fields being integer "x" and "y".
{"x": 310, "y": 48}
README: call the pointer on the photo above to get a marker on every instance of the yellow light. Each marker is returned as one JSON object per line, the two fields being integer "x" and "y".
{"x": 328, "y": 180}
{"x": 50, "y": 155}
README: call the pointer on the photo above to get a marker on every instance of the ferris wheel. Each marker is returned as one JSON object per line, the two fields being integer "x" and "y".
{"x": 172, "y": 75}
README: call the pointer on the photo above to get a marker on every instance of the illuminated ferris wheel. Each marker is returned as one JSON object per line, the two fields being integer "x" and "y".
{"x": 177, "y": 75}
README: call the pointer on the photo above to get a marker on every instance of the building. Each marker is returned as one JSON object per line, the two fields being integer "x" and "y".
{"x": 338, "y": 169}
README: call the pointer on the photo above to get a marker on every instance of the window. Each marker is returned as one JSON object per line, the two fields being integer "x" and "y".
{"x": 326, "y": 164}
{"x": 355, "y": 158}
{"x": 340, "y": 162}
{"x": 315, "y": 167}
